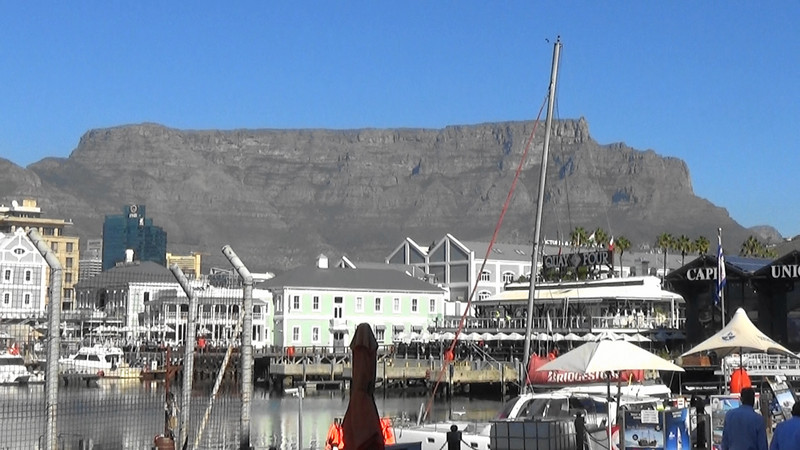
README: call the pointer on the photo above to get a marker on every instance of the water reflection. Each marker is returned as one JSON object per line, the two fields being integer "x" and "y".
{"x": 128, "y": 414}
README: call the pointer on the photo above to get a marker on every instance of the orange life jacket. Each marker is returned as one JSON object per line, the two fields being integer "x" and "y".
{"x": 386, "y": 428}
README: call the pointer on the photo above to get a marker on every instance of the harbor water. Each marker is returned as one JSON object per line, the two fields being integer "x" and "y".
{"x": 120, "y": 414}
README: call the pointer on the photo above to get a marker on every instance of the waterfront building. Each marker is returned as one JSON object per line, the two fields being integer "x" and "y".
{"x": 459, "y": 265}
{"x": 144, "y": 301}
{"x": 23, "y": 284}
{"x": 189, "y": 264}
{"x": 133, "y": 230}
{"x": 118, "y": 296}
{"x": 321, "y": 306}
{"x": 66, "y": 248}
{"x": 766, "y": 289}
{"x": 217, "y": 318}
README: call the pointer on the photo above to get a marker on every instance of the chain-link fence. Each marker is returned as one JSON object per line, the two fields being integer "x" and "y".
{"x": 143, "y": 357}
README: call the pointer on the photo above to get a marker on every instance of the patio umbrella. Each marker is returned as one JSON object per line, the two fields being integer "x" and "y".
{"x": 588, "y": 337}
{"x": 740, "y": 335}
{"x": 609, "y": 356}
{"x": 558, "y": 337}
{"x": 362, "y": 424}
{"x": 572, "y": 337}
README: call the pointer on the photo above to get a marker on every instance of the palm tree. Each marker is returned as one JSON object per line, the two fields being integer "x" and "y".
{"x": 701, "y": 245}
{"x": 620, "y": 245}
{"x": 664, "y": 242}
{"x": 577, "y": 237}
{"x": 600, "y": 237}
{"x": 684, "y": 245}
{"x": 751, "y": 247}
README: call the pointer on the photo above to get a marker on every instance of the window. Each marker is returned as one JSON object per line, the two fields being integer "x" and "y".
{"x": 7, "y": 276}
{"x": 413, "y": 305}
{"x": 315, "y": 334}
{"x": 359, "y": 304}
{"x": 380, "y": 335}
{"x": 295, "y": 334}
{"x": 70, "y": 247}
{"x": 432, "y": 305}
{"x": 54, "y": 246}
{"x": 6, "y": 298}
{"x": 19, "y": 251}
{"x": 68, "y": 277}
{"x": 377, "y": 304}
{"x": 315, "y": 303}
{"x": 486, "y": 276}
{"x": 296, "y": 303}
{"x": 28, "y": 276}
{"x": 483, "y": 295}
{"x": 27, "y": 299}
{"x": 69, "y": 262}
{"x": 338, "y": 307}
{"x": 396, "y": 305}
{"x": 508, "y": 277}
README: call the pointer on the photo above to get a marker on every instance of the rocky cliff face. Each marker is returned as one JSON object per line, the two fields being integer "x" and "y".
{"x": 280, "y": 197}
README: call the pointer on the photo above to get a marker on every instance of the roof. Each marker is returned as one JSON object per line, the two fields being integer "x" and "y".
{"x": 746, "y": 264}
{"x": 640, "y": 288}
{"x": 354, "y": 279}
{"x": 137, "y": 272}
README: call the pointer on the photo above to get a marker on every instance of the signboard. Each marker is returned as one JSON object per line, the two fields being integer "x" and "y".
{"x": 643, "y": 430}
{"x": 599, "y": 258}
{"x": 560, "y": 377}
{"x": 677, "y": 429}
{"x": 720, "y": 405}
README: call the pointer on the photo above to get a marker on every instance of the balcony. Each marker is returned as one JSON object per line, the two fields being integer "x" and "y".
{"x": 338, "y": 324}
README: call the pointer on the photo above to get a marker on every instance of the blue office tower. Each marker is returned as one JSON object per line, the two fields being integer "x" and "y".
{"x": 133, "y": 230}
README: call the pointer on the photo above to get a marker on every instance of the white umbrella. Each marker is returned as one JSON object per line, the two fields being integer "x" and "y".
{"x": 448, "y": 336}
{"x": 543, "y": 337}
{"x": 502, "y": 336}
{"x": 740, "y": 335}
{"x": 639, "y": 337}
{"x": 516, "y": 336}
{"x": 489, "y": 337}
{"x": 609, "y": 356}
{"x": 588, "y": 337}
{"x": 572, "y": 337}
{"x": 608, "y": 336}
{"x": 472, "y": 337}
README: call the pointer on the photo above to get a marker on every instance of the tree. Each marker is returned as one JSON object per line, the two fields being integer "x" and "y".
{"x": 684, "y": 245}
{"x": 600, "y": 237}
{"x": 751, "y": 247}
{"x": 701, "y": 245}
{"x": 621, "y": 244}
{"x": 578, "y": 237}
{"x": 664, "y": 242}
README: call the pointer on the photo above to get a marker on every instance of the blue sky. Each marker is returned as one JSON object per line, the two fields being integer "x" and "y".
{"x": 712, "y": 83}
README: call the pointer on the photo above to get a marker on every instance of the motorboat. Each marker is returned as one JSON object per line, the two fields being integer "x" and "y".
{"x": 96, "y": 360}
{"x": 13, "y": 369}
{"x": 561, "y": 404}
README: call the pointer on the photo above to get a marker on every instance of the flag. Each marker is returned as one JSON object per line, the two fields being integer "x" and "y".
{"x": 591, "y": 238}
{"x": 611, "y": 244}
{"x": 721, "y": 278}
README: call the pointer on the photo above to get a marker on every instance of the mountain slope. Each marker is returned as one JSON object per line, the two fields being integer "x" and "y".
{"x": 280, "y": 197}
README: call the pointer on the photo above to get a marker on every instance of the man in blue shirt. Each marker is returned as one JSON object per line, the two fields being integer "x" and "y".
{"x": 787, "y": 433}
{"x": 744, "y": 428}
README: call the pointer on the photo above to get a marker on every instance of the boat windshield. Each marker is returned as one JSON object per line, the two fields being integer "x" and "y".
{"x": 552, "y": 407}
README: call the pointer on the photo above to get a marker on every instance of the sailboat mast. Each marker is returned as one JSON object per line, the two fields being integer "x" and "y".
{"x": 548, "y": 127}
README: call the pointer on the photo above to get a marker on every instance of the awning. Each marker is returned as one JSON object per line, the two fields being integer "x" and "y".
{"x": 398, "y": 327}
{"x": 416, "y": 329}
{"x": 380, "y": 327}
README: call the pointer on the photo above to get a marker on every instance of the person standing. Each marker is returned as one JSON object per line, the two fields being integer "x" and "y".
{"x": 787, "y": 433}
{"x": 744, "y": 428}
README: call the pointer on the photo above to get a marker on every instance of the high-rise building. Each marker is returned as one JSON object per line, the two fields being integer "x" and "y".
{"x": 91, "y": 262}
{"x": 132, "y": 230}
{"x": 189, "y": 264}
{"x": 66, "y": 248}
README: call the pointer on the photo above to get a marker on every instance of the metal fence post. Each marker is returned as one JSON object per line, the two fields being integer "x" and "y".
{"x": 53, "y": 338}
{"x": 246, "y": 348}
{"x": 188, "y": 355}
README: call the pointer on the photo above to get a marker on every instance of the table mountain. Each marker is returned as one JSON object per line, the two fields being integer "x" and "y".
{"x": 281, "y": 197}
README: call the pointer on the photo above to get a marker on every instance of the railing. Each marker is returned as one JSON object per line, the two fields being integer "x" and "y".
{"x": 571, "y": 323}
{"x": 761, "y": 362}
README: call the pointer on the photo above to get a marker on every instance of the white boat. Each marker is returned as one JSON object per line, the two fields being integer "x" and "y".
{"x": 97, "y": 360}
{"x": 560, "y": 404}
{"x": 13, "y": 369}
